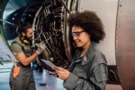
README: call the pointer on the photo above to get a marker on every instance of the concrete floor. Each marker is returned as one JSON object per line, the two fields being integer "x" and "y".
{"x": 52, "y": 83}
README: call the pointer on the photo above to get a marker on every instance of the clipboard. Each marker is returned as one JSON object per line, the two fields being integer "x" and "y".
{"x": 49, "y": 63}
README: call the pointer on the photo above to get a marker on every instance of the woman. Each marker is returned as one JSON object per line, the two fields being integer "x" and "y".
{"x": 88, "y": 69}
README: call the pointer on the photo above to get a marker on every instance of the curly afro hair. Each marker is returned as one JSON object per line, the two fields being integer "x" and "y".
{"x": 90, "y": 22}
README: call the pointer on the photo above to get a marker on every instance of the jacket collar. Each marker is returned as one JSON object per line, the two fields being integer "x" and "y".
{"x": 89, "y": 54}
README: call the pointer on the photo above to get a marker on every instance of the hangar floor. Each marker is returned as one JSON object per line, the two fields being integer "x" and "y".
{"x": 43, "y": 80}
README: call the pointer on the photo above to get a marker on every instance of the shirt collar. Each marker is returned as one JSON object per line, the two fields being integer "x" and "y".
{"x": 89, "y": 54}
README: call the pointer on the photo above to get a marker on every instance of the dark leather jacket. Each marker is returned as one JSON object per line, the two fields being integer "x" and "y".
{"x": 88, "y": 72}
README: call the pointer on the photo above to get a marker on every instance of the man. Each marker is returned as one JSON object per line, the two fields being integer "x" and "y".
{"x": 21, "y": 77}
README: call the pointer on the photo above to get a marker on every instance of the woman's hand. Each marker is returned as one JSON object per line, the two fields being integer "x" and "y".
{"x": 62, "y": 73}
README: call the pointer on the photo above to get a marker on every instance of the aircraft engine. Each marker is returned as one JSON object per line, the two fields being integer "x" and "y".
{"x": 50, "y": 27}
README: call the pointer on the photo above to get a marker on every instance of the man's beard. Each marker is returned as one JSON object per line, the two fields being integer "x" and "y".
{"x": 28, "y": 39}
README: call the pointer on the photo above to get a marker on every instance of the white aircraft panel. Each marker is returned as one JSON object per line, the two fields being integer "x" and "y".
{"x": 5, "y": 52}
{"x": 107, "y": 11}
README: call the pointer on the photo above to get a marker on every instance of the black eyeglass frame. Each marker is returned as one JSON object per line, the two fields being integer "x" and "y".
{"x": 77, "y": 33}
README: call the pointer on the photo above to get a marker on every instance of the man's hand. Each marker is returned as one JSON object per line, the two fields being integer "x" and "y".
{"x": 40, "y": 47}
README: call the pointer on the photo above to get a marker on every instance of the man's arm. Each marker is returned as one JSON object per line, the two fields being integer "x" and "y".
{"x": 26, "y": 60}
{"x": 21, "y": 57}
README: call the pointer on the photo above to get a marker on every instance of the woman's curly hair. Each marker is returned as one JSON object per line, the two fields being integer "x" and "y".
{"x": 90, "y": 22}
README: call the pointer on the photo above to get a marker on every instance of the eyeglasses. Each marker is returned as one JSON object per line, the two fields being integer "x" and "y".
{"x": 77, "y": 33}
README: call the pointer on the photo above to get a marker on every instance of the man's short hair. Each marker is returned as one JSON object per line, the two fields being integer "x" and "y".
{"x": 22, "y": 27}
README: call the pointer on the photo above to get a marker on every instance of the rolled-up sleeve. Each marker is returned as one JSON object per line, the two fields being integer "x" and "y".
{"x": 16, "y": 49}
